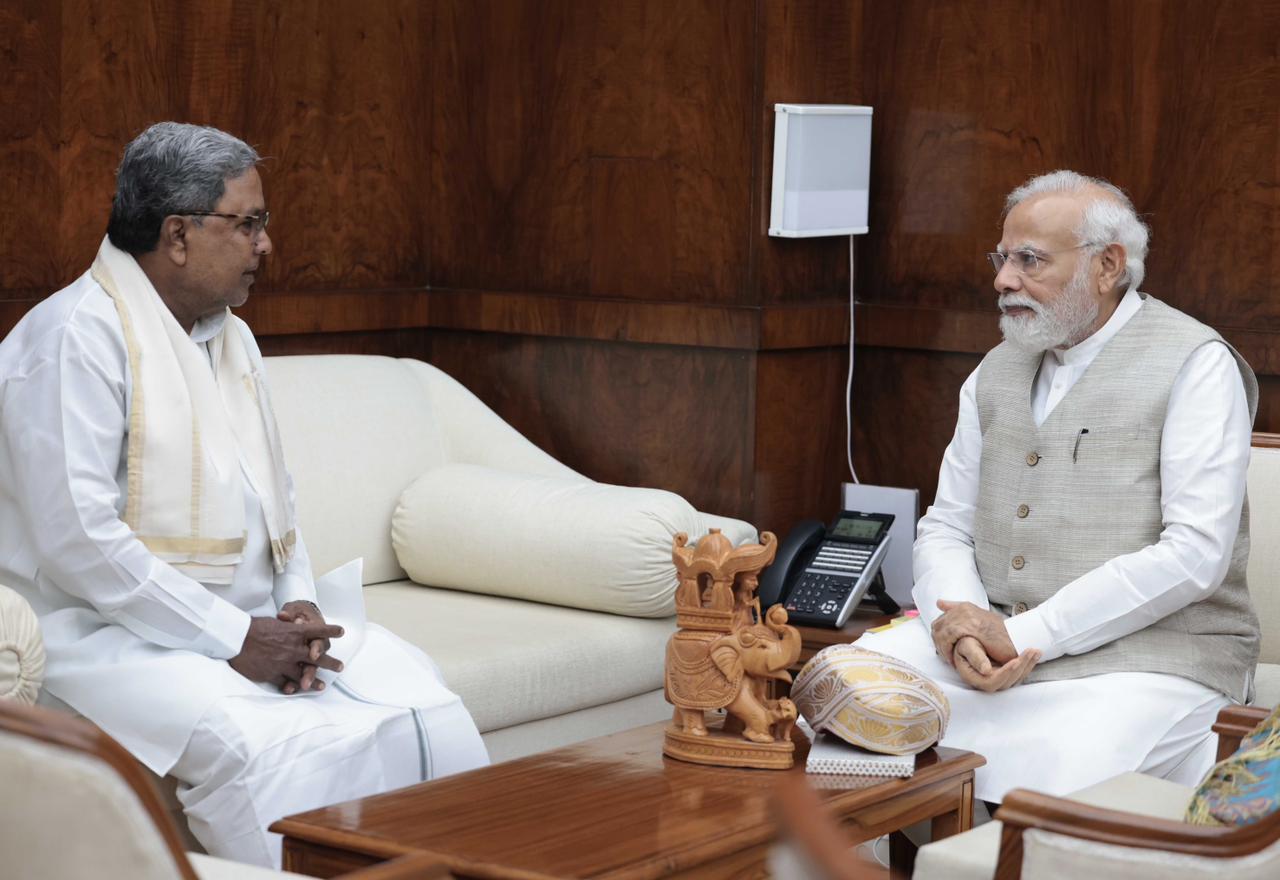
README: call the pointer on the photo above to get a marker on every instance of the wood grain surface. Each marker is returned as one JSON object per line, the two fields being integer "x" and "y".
{"x": 578, "y": 171}
{"x": 612, "y": 806}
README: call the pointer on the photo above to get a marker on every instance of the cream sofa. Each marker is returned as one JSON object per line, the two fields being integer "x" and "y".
{"x": 502, "y": 523}
{"x": 551, "y": 596}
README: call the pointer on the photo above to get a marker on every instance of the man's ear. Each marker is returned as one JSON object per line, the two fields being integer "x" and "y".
{"x": 1112, "y": 259}
{"x": 173, "y": 239}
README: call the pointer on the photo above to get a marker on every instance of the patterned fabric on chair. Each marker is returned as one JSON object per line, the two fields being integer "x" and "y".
{"x": 1244, "y": 787}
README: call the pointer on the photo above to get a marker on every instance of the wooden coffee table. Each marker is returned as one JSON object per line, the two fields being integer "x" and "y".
{"x": 612, "y": 807}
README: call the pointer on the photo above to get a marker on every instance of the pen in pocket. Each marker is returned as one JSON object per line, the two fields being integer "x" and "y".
{"x": 1076, "y": 448}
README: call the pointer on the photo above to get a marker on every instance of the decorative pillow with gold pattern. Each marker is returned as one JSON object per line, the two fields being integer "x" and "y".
{"x": 871, "y": 700}
{"x": 1245, "y": 787}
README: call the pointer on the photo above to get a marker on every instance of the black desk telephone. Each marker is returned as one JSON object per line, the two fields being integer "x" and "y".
{"x": 821, "y": 574}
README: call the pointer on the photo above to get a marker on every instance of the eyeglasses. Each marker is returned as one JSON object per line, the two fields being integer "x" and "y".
{"x": 1028, "y": 262}
{"x": 256, "y": 222}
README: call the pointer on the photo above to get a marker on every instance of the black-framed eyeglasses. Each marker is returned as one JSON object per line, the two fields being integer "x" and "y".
{"x": 257, "y": 222}
{"x": 1027, "y": 261}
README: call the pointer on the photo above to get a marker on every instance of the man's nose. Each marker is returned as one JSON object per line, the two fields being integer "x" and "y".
{"x": 263, "y": 244}
{"x": 1008, "y": 279}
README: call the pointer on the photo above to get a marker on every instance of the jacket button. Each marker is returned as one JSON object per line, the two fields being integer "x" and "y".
{"x": 1023, "y": 510}
{"x": 1033, "y": 458}
{"x": 1018, "y": 562}
{"x": 1020, "y": 608}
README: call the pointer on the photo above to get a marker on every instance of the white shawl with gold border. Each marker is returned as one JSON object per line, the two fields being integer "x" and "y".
{"x": 189, "y": 425}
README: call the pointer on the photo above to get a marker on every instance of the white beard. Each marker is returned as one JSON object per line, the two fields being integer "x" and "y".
{"x": 1065, "y": 321}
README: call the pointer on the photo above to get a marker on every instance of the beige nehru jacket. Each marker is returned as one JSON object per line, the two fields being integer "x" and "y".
{"x": 1051, "y": 509}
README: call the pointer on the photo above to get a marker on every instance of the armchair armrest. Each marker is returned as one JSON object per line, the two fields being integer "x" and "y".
{"x": 1233, "y": 724}
{"x": 1023, "y": 810}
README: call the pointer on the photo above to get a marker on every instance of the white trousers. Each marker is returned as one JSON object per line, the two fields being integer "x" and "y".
{"x": 255, "y": 759}
{"x": 1058, "y": 737}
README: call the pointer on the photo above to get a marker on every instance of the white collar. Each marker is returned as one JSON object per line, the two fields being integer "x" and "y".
{"x": 208, "y": 327}
{"x": 1087, "y": 349}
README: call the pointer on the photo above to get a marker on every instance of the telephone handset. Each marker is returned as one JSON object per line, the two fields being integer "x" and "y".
{"x": 820, "y": 574}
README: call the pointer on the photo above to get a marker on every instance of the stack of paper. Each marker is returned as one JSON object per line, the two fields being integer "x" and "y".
{"x": 830, "y": 754}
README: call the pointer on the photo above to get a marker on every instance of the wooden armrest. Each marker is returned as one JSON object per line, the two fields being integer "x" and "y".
{"x": 415, "y": 866}
{"x": 1234, "y": 724}
{"x": 1025, "y": 809}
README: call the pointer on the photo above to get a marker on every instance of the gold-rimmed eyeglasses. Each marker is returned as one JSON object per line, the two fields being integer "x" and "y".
{"x": 1027, "y": 261}
{"x": 256, "y": 222}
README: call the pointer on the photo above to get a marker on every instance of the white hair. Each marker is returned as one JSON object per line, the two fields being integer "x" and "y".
{"x": 1106, "y": 220}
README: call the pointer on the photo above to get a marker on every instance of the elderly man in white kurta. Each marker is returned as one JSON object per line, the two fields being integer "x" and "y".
{"x": 146, "y": 514}
{"x": 1081, "y": 574}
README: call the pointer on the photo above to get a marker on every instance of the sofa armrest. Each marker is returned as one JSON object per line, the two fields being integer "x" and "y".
{"x": 475, "y": 434}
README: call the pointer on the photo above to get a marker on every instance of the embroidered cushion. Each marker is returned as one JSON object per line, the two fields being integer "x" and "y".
{"x": 1245, "y": 787}
{"x": 871, "y": 700}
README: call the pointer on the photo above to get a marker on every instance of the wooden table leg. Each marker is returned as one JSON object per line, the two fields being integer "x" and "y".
{"x": 902, "y": 856}
{"x": 958, "y": 820}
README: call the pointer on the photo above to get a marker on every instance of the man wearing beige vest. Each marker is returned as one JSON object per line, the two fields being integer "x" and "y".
{"x": 1081, "y": 573}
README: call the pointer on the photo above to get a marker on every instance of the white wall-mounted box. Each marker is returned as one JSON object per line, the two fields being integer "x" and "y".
{"x": 821, "y": 170}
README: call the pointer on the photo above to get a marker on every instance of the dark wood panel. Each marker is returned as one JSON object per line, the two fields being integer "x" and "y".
{"x": 634, "y": 415}
{"x": 962, "y": 118}
{"x": 799, "y": 436}
{"x": 389, "y": 343}
{"x": 905, "y": 405}
{"x": 810, "y": 53}
{"x": 30, "y": 91}
{"x": 523, "y": 195}
{"x": 338, "y": 96}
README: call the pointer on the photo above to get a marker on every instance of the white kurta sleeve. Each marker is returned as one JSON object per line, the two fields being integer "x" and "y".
{"x": 67, "y": 447}
{"x": 943, "y": 560}
{"x": 295, "y": 583}
{"x": 1204, "y": 457}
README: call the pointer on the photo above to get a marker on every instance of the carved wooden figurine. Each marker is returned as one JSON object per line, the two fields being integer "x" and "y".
{"x": 723, "y": 656}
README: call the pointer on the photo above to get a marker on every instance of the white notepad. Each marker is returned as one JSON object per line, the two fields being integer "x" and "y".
{"x": 830, "y": 754}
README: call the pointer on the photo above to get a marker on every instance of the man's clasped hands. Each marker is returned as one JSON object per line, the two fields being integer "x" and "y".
{"x": 289, "y": 649}
{"x": 975, "y": 642}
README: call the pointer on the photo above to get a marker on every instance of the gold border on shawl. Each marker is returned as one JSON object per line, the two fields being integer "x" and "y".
{"x": 193, "y": 545}
{"x": 137, "y": 424}
{"x": 197, "y": 472}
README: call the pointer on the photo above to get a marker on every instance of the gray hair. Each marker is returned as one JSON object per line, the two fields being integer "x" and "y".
{"x": 1106, "y": 220}
{"x": 171, "y": 168}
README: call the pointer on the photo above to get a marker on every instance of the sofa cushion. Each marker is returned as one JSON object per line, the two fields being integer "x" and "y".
{"x": 547, "y": 539}
{"x": 356, "y": 430}
{"x": 512, "y": 661}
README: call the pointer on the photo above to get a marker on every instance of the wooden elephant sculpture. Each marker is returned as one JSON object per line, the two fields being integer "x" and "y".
{"x": 731, "y": 671}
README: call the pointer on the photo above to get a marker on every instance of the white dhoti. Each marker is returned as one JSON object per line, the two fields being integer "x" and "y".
{"x": 1057, "y": 737}
{"x": 255, "y": 759}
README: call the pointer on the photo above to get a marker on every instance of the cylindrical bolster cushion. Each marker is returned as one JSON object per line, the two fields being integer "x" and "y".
{"x": 558, "y": 540}
{"x": 21, "y": 649}
{"x": 871, "y": 700}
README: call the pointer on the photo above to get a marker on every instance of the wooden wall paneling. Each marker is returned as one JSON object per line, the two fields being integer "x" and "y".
{"x": 1205, "y": 146}
{"x": 974, "y": 99}
{"x": 606, "y": 125}
{"x": 811, "y": 53}
{"x": 122, "y": 69}
{"x": 668, "y": 417}
{"x": 339, "y": 100}
{"x": 30, "y": 202}
{"x": 798, "y": 436}
{"x": 905, "y": 405}
{"x": 410, "y": 343}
